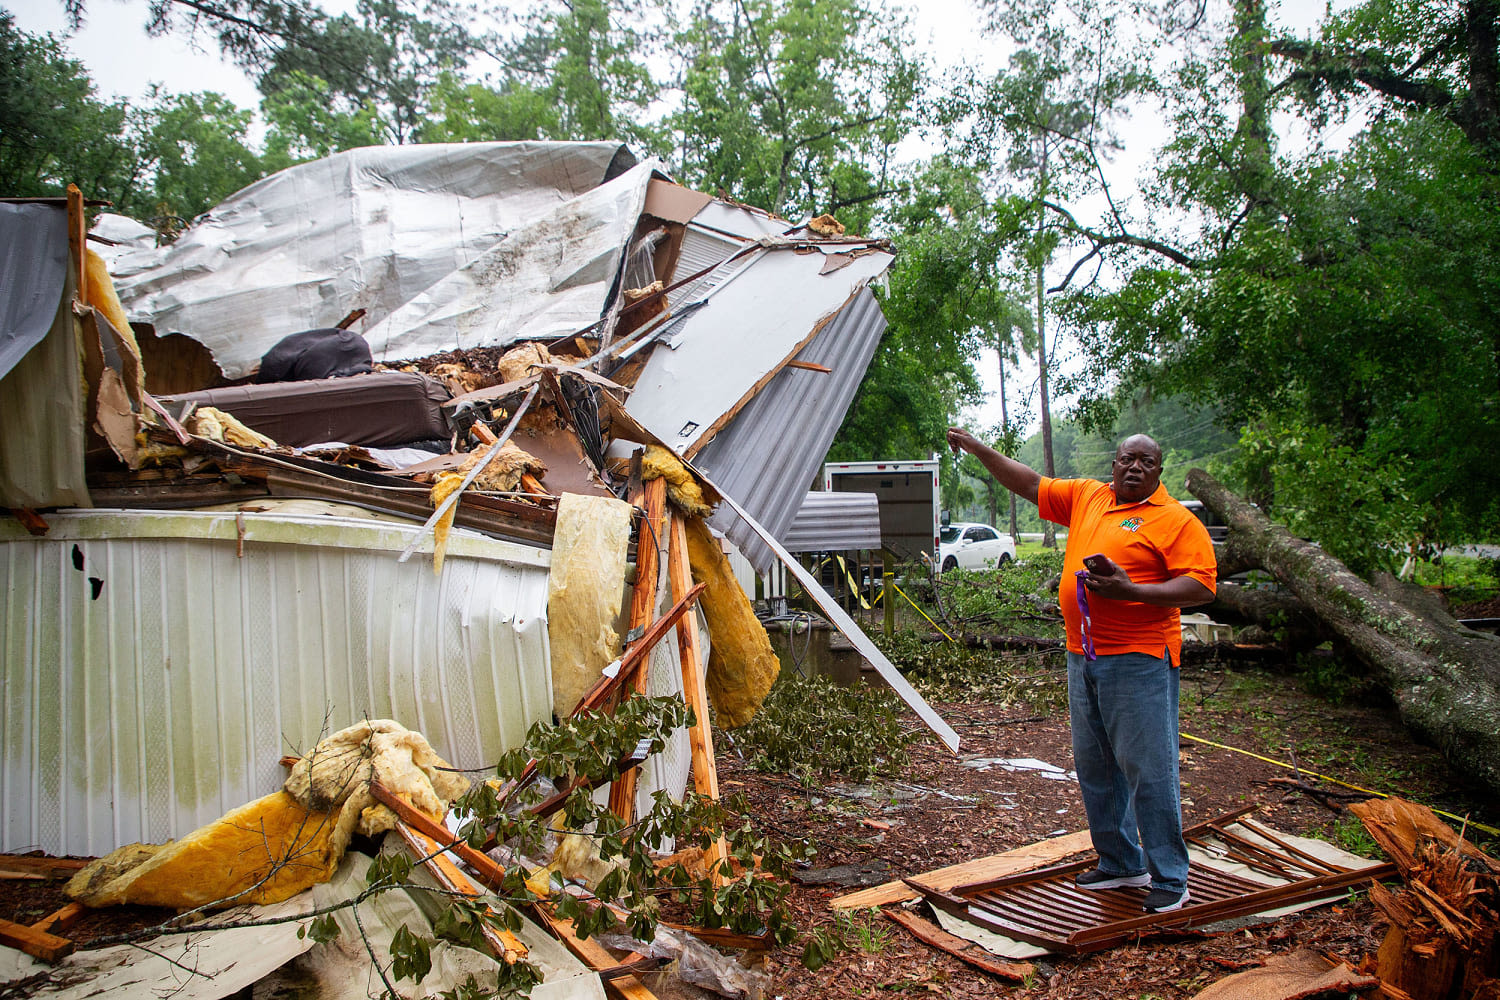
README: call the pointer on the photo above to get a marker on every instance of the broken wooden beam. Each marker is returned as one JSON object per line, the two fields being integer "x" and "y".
{"x": 1021, "y": 859}
{"x": 962, "y": 949}
{"x": 492, "y": 875}
{"x": 60, "y": 920}
{"x": 649, "y": 537}
{"x": 430, "y": 854}
{"x": 694, "y": 691}
{"x": 38, "y": 944}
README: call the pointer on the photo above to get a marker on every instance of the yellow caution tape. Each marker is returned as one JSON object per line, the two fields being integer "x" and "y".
{"x": 923, "y": 613}
{"x": 1323, "y": 777}
{"x": 854, "y": 588}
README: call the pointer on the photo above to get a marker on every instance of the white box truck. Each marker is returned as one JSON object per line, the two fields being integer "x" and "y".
{"x": 910, "y": 506}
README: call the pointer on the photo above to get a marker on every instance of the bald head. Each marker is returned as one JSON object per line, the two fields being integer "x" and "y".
{"x": 1136, "y": 470}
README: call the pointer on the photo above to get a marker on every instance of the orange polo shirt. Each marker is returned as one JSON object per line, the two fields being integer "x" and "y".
{"x": 1154, "y": 540}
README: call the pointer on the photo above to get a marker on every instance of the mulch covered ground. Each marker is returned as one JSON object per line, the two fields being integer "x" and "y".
{"x": 943, "y": 812}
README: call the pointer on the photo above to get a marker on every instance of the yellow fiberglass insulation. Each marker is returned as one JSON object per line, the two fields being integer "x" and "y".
{"x": 216, "y": 425}
{"x": 682, "y": 489}
{"x": 585, "y": 593}
{"x": 101, "y": 295}
{"x": 517, "y": 362}
{"x": 741, "y": 665}
{"x": 502, "y": 475}
{"x": 275, "y": 847}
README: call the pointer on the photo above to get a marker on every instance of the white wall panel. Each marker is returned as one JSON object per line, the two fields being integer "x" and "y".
{"x": 168, "y": 698}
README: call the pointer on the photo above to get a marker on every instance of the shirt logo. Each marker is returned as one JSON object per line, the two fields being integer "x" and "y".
{"x": 1132, "y": 523}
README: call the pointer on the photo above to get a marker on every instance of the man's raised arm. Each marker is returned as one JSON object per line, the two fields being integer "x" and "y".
{"x": 1019, "y": 479}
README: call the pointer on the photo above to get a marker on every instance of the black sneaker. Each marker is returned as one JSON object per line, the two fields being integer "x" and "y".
{"x": 1164, "y": 900}
{"x": 1096, "y": 879}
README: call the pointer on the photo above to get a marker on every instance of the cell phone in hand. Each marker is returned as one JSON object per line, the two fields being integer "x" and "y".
{"x": 1096, "y": 564}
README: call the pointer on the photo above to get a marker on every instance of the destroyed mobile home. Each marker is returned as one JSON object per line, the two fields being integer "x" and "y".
{"x": 442, "y": 435}
{"x": 407, "y": 452}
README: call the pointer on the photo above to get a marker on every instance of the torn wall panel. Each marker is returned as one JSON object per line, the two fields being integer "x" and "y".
{"x": 775, "y": 447}
{"x": 153, "y": 680}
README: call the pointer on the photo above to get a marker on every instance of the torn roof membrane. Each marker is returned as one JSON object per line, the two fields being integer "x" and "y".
{"x": 374, "y": 228}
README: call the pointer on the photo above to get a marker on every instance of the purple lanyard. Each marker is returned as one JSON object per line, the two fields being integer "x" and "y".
{"x": 1083, "y": 608}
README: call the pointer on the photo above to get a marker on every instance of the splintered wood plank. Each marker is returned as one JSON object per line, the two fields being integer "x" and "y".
{"x": 61, "y": 920}
{"x": 38, "y": 944}
{"x": 593, "y": 954}
{"x": 491, "y": 874}
{"x": 964, "y": 950}
{"x": 20, "y": 864}
{"x": 505, "y": 945}
{"x": 653, "y": 499}
{"x": 694, "y": 692}
{"x": 1021, "y": 859}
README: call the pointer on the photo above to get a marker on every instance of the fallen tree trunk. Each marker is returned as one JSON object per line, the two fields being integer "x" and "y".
{"x": 1445, "y": 678}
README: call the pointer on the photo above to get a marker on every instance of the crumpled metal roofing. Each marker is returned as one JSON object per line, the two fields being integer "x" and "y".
{"x": 835, "y": 522}
{"x": 773, "y": 450}
{"x": 432, "y": 232}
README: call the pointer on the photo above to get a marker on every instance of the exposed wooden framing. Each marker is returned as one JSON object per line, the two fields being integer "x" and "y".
{"x": 38, "y": 944}
{"x": 78, "y": 225}
{"x": 492, "y": 874}
{"x": 700, "y": 737}
{"x": 810, "y": 366}
{"x": 502, "y": 943}
{"x": 1021, "y": 859}
{"x": 653, "y": 501}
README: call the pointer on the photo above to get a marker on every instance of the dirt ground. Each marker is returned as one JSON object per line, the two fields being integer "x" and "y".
{"x": 943, "y": 812}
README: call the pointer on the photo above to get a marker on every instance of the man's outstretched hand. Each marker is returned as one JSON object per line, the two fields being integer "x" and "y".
{"x": 961, "y": 440}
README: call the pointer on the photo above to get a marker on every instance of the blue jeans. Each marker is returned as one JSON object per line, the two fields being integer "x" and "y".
{"x": 1124, "y": 715}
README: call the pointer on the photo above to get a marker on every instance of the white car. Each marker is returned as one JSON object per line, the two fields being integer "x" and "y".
{"x": 973, "y": 546}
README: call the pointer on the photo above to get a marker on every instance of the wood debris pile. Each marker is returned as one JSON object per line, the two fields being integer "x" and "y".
{"x": 1444, "y": 919}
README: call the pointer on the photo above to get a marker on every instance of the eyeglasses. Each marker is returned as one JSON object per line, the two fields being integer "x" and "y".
{"x": 1147, "y": 462}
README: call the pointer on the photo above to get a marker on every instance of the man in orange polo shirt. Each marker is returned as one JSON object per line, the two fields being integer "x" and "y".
{"x": 1134, "y": 557}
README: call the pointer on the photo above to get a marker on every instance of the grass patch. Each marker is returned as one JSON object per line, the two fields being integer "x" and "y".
{"x": 1463, "y": 579}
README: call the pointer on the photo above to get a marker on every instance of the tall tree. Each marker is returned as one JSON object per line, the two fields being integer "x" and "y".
{"x": 945, "y": 300}
{"x": 795, "y": 105}
{"x": 587, "y": 60}
{"x": 1046, "y": 122}
{"x": 1340, "y": 304}
{"x": 54, "y": 129}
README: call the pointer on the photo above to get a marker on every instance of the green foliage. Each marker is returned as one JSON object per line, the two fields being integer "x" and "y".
{"x": 590, "y": 747}
{"x": 865, "y": 930}
{"x": 952, "y": 672}
{"x": 794, "y": 105}
{"x": 196, "y": 148}
{"x": 321, "y": 929}
{"x": 53, "y": 128}
{"x": 1349, "y": 295}
{"x": 577, "y": 70}
{"x": 1009, "y": 599}
{"x": 1350, "y": 834}
{"x": 857, "y": 730}
{"x": 411, "y": 955}
{"x": 1462, "y": 578}
{"x": 1357, "y": 507}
